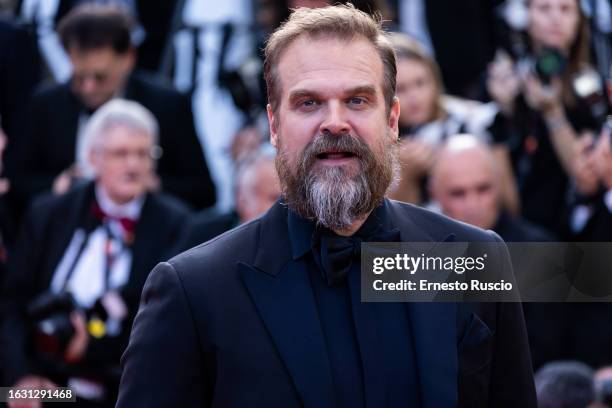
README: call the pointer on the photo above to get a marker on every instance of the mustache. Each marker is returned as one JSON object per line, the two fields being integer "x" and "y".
{"x": 329, "y": 142}
{"x": 334, "y": 196}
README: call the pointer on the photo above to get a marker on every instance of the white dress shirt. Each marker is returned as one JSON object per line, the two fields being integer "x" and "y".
{"x": 87, "y": 281}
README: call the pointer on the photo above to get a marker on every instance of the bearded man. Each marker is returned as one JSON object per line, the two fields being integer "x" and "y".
{"x": 269, "y": 314}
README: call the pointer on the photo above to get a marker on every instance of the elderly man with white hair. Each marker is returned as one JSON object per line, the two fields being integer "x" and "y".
{"x": 75, "y": 279}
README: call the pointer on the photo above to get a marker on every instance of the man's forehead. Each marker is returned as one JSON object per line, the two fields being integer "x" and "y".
{"x": 307, "y": 61}
{"x": 123, "y": 134}
{"x": 93, "y": 55}
{"x": 467, "y": 175}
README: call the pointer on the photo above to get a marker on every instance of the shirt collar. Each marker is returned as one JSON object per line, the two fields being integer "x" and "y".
{"x": 129, "y": 210}
{"x": 301, "y": 230}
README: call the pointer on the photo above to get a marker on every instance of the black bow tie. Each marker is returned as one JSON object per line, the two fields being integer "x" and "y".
{"x": 336, "y": 253}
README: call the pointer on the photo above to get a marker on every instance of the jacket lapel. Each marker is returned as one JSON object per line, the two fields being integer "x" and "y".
{"x": 78, "y": 211}
{"x": 281, "y": 291}
{"x": 433, "y": 324}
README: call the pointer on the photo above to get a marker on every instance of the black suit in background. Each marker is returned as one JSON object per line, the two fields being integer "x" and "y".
{"x": 19, "y": 74}
{"x": 599, "y": 226}
{"x": 592, "y": 322}
{"x": 49, "y": 144}
{"x": 544, "y": 321}
{"x": 568, "y": 331}
{"x": 47, "y": 231}
{"x": 464, "y": 35}
{"x": 516, "y": 229}
{"x": 233, "y": 322}
{"x": 586, "y": 332}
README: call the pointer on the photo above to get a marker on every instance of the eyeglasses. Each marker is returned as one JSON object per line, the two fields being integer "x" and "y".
{"x": 122, "y": 154}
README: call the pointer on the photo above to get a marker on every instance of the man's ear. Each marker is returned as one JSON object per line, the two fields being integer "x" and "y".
{"x": 130, "y": 59}
{"x": 394, "y": 117}
{"x": 273, "y": 126}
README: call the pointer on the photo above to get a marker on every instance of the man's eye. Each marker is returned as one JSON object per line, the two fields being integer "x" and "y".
{"x": 484, "y": 188}
{"x": 420, "y": 83}
{"x": 358, "y": 101}
{"x": 306, "y": 104}
{"x": 544, "y": 8}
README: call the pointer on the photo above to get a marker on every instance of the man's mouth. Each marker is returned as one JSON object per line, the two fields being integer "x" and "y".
{"x": 131, "y": 177}
{"x": 336, "y": 155}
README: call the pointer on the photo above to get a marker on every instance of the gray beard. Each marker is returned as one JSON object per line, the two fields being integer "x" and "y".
{"x": 336, "y": 200}
{"x": 331, "y": 196}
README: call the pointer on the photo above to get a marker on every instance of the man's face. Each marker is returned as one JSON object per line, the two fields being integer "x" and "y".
{"x": 465, "y": 186}
{"x": 553, "y": 23}
{"x": 99, "y": 74}
{"x": 416, "y": 90}
{"x": 123, "y": 163}
{"x": 334, "y": 134}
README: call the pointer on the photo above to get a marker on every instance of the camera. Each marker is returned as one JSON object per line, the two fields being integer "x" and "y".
{"x": 52, "y": 327}
{"x": 550, "y": 63}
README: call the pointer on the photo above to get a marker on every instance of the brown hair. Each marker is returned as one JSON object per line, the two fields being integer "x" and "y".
{"x": 94, "y": 26}
{"x": 408, "y": 48}
{"x": 342, "y": 22}
{"x": 579, "y": 55}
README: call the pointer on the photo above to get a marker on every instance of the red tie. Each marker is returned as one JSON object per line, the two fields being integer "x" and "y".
{"x": 128, "y": 224}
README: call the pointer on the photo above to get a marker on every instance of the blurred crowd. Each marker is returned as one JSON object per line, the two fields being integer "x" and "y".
{"x": 133, "y": 130}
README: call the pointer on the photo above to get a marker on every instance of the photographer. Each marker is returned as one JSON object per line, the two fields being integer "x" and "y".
{"x": 75, "y": 278}
{"x": 590, "y": 215}
{"x": 428, "y": 117}
{"x": 546, "y": 96}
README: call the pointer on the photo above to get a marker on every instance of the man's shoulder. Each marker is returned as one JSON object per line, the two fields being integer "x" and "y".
{"x": 50, "y": 202}
{"x": 438, "y": 226}
{"x": 222, "y": 253}
{"x": 52, "y": 93}
{"x": 207, "y": 219}
{"x": 49, "y": 210}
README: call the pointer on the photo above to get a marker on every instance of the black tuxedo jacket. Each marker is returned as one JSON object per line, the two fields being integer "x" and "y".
{"x": 599, "y": 227}
{"x": 516, "y": 229}
{"x": 19, "y": 74}
{"x": 233, "y": 323}
{"x": 47, "y": 231}
{"x": 49, "y": 143}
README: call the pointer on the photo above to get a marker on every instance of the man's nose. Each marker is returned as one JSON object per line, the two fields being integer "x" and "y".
{"x": 473, "y": 202}
{"x": 88, "y": 85}
{"x": 335, "y": 121}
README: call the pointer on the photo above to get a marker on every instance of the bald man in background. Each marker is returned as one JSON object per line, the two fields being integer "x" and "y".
{"x": 465, "y": 183}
